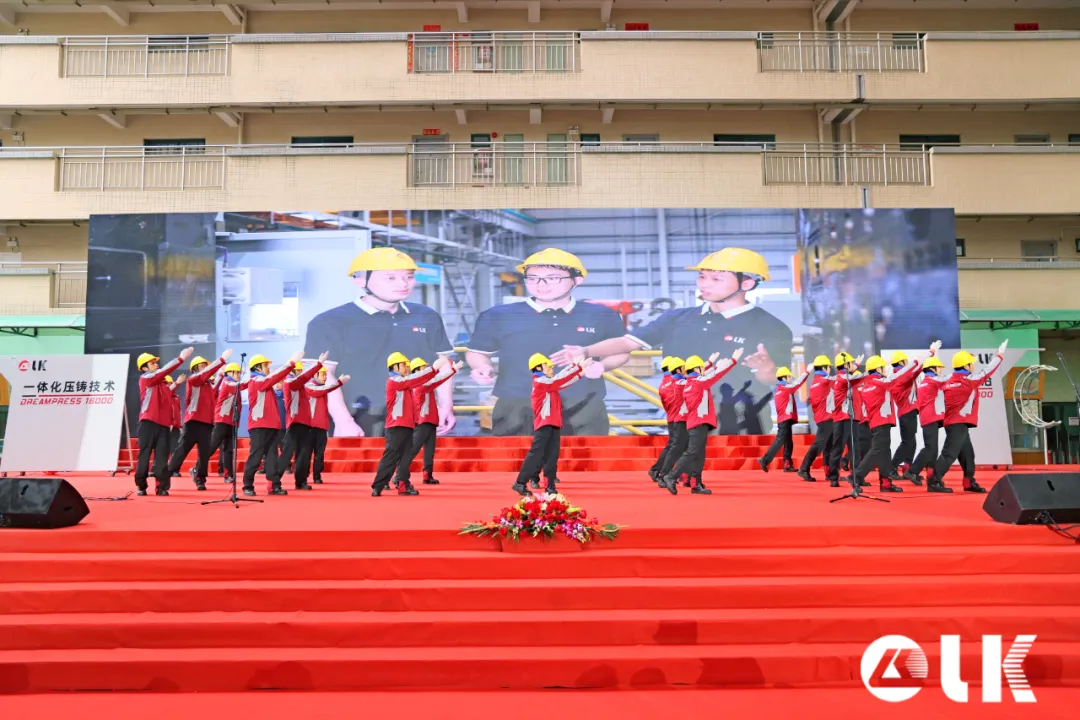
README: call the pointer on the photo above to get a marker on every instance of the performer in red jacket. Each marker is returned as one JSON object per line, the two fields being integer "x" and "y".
{"x": 670, "y": 391}
{"x": 400, "y": 419}
{"x": 906, "y": 398}
{"x": 822, "y": 407}
{"x": 173, "y": 386}
{"x": 931, "y": 399}
{"x": 298, "y": 437}
{"x": 701, "y": 419}
{"x": 317, "y": 390}
{"x": 962, "y": 414}
{"x": 228, "y": 389}
{"x": 264, "y": 422}
{"x": 787, "y": 414}
{"x": 427, "y": 422}
{"x": 547, "y": 419}
{"x": 198, "y": 419}
{"x": 846, "y": 366}
{"x": 155, "y": 419}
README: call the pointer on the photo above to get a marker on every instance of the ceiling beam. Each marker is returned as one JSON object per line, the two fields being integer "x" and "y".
{"x": 117, "y": 121}
{"x": 462, "y": 116}
{"x": 536, "y": 115}
{"x": 462, "y": 12}
{"x": 534, "y": 11}
{"x": 6, "y": 121}
{"x": 7, "y": 16}
{"x": 233, "y": 13}
{"x": 605, "y": 10}
{"x": 120, "y": 15}
{"x": 607, "y": 114}
{"x": 229, "y": 118}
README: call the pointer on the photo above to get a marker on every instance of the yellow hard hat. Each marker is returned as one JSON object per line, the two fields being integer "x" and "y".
{"x": 898, "y": 357}
{"x": 843, "y": 358}
{"x": 874, "y": 362}
{"x": 381, "y": 258}
{"x": 396, "y": 358}
{"x": 822, "y": 361}
{"x": 299, "y": 366}
{"x": 782, "y": 372}
{"x": 665, "y": 362}
{"x": 693, "y": 363}
{"x": 675, "y": 363}
{"x": 555, "y": 258}
{"x": 933, "y": 361}
{"x": 736, "y": 260}
{"x": 231, "y": 367}
{"x": 198, "y": 360}
{"x": 257, "y": 361}
{"x": 145, "y": 358}
{"x": 417, "y": 363}
{"x": 962, "y": 358}
{"x": 168, "y": 379}
{"x": 537, "y": 359}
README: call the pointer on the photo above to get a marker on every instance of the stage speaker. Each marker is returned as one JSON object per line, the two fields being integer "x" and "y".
{"x": 40, "y": 503}
{"x": 1020, "y": 498}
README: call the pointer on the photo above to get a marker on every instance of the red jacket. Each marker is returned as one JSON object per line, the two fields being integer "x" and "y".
{"x": 546, "y": 401}
{"x": 174, "y": 399}
{"x": 294, "y": 390}
{"x": 821, "y": 397}
{"x": 400, "y": 409}
{"x": 784, "y": 397}
{"x": 962, "y": 394}
{"x": 667, "y": 396}
{"x": 200, "y": 395}
{"x": 262, "y": 401}
{"x": 678, "y": 395}
{"x": 840, "y": 391}
{"x": 931, "y": 398}
{"x": 227, "y": 393}
{"x": 858, "y": 409}
{"x": 876, "y": 394}
{"x": 317, "y": 407}
{"x": 698, "y": 398}
{"x": 904, "y": 393}
{"x": 155, "y": 405}
{"x": 427, "y": 410}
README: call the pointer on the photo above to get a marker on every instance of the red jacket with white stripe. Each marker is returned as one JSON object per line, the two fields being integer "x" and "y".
{"x": 262, "y": 401}
{"x": 227, "y": 395}
{"x": 784, "y": 397}
{"x": 294, "y": 390}
{"x": 876, "y": 394}
{"x": 317, "y": 404}
{"x": 174, "y": 400}
{"x": 840, "y": 391}
{"x": 667, "y": 396}
{"x": 400, "y": 409}
{"x": 962, "y": 394}
{"x": 200, "y": 395}
{"x": 821, "y": 397}
{"x": 931, "y": 398}
{"x": 698, "y": 398}
{"x": 905, "y": 395}
{"x": 155, "y": 405}
{"x": 546, "y": 401}
{"x": 427, "y": 410}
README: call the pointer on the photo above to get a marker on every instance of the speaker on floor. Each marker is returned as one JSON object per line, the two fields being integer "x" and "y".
{"x": 40, "y": 503}
{"x": 1022, "y": 498}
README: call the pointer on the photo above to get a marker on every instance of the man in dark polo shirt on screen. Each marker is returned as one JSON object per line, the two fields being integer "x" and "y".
{"x": 726, "y": 321}
{"x": 360, "y": 335}
{"x": 550, "y": 319}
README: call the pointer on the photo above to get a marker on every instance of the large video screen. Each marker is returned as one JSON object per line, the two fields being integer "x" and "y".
{"x": 491, "y": 287}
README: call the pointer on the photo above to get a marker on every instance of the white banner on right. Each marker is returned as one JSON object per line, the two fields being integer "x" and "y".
{"x": 991, "y": 437}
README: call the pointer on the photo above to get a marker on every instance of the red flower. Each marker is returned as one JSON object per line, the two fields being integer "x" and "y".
{"x": 582, "y": 515}
{"x": 503, "y": 531}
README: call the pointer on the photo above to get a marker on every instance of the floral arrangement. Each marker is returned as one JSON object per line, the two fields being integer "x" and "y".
{"x": 543, "y": 516}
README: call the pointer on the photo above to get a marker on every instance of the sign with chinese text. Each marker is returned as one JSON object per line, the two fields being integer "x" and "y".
{"x": 65, "y": 412}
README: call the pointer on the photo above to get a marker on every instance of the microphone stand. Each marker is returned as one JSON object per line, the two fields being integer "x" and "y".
{"x": 1076, "y": 392}
{"x": 233, "y": 497}
{"x": 856, "y": 492}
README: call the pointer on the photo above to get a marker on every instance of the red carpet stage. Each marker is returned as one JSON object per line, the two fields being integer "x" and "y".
{"x": 764, "y": 584}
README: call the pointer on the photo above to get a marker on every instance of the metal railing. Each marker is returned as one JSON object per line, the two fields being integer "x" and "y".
{"x": 139, "y": 168}
{"x": 526, "y": 164}
{"x": 841, "y": 52}
{"x": 69, "y": 280}
{"x": 824, "y": 164}
{"x": 145, "y": 56}
{"x": 495, "y": 52}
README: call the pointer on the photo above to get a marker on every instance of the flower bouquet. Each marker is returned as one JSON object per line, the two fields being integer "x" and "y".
{"x": 547, "y": 516}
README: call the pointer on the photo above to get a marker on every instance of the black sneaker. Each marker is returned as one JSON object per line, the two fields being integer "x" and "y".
{"x": 520, "y": 489}
{"x": 973, "y": 487}
{"x": 200, "y": 486}
{"x": 535, "y": 484}
{"x": 278, "y": 491}
{"x": 303, "y": 486}
{"x": 763, "y": 465}
{"x": 249, "y": 491}
{"x": 807, "y": 476}
{"x": 671, "y": 484}
{"x": 887, "y": 486}
{"x": 317, "y": 480}
{"x": 141, "y": 492}
{"x": 936, "y": 486}
{"x": 700, "y": 489}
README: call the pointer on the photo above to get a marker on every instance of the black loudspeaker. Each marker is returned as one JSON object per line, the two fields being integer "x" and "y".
{"x": 40, "y": 503}
{"x": 1021, "y": 498}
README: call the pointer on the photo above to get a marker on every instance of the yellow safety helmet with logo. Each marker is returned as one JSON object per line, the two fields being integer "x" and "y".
{"x": 665, "y": 362}
{"x": 381, "y": 258}
{"x": 198, "y": 360}
{"x": 145, "y": 358}
{"x": 843, "y": 359}
{"x": 961, "y": 359}
{"x": 396, "y": 358}
{"x": 538, "y": 359}
{"x": 257, "y": 361}
{"x": 417, "y": 363}
{"x": 932, "y": 362}
{"x": 694, "y": 362}
{"x": 874, "y": 362}
{"x": 783, "y": 372}
{"x": 231, "y": 367}
{"x": 822, "y": 361}
{"x": 554, "y": 257}
{"x": 898, "y": 357}
{"x": 736, "y": 260}
{"x": 675, "y": 363}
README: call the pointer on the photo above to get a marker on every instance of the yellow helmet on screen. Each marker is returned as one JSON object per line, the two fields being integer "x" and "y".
{"x": 783, "y": 372}
{"x": 299, "y": 367}
{"x": 417, "y": 363}
{"x": 145, "y": 358}
{"x": 962, "y": 358}
{"x": 554, "y": 257}
{"x": 665, "y": 362}
{"x": 257, "y": 361}
{"x": 396, "y": 358}
{"x": 381, "y": 258}
{"x": 538, "y": 359}
{"x": 736, "y": 260}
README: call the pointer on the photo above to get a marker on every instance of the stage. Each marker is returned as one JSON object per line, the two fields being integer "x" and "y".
{"x": 763, "y": 584}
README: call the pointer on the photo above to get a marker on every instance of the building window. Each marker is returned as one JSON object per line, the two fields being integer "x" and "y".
{"x": 1031, "y": 139}
{"x": 925, "y": 142}
{"x": 1074, "y": 138}
{"x": 1021, "y": 435}
{"x": 590, "y": 138}
{"x": 907, "y": 39}
{"x": 641, "y": 138}
{"x": 174, "y": 146}
{"x": 961, "y": 250}
{"x": 765, "y": 41}
{"x": 322, "y": 140}
{"x": 762, "y": 142}
{"x": 177, "y": 43}
{"x": 1039, "y": 250}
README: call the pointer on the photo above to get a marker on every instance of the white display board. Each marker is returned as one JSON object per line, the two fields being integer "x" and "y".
{"x": 66, "y": 412}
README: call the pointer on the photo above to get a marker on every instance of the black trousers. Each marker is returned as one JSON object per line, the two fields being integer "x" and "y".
{"x": 878, "y": 455}
{"x": 398, "y": 440}
{"x": 543, "y": 455}
{"x": 678, "y": 448}
{"x": 318, "y": 451}
{"x": 784, "y": 440}
{"x": 194, "y": 435}
{"x": 221, "y": 440}
{"x": 298, "y": 443}
{"x": 909, "y": 427}
{"x": 153, "y": 440}
{"x": 929, "y": 452}
{"x": 821, "y": 446}
{"x": 588, "y": 416}
{"x": 841, "y": 440}
{"x": 957, "y": 447}
{"x": 263, "y": 449}
{"x": 423, "y": 439}
{"x": 174, "y": 440}
{"x": 666, "y": 449}
{"x": 692, "y": 462}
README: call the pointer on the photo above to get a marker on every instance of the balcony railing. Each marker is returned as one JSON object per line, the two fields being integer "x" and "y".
{"x": 147, "y": 56}
{"x": 495, "y": 52}
{"x": 141, "y": 168}
{"x": 68, "y": 287}
{"x": 823, "y": 164}
{"x": 500, "y": 165}
{"x": 841, "y": 52}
